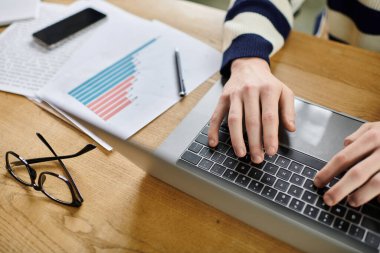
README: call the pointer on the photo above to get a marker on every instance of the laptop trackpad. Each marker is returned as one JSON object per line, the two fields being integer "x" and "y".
{"x": 320, "y": 132}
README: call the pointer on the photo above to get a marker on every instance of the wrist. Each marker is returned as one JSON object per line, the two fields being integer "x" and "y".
{"x": 247, "y": 63}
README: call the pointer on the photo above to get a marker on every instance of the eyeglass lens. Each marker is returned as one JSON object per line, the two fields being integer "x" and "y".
{"x": 56, "y": 188}
{"x": 19, "y": 169}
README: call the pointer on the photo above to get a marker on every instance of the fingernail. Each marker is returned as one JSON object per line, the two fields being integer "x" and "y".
{"x": 292, "y": 124}
{"x": 211, "y": 142}
{"x": 328, "y": 200}
{"x": 352, "y": 203}
{"x": 241, "y": 152}
{"x": 317, "y": 182}
{"x": 271, "y": 150}
{"x": 257, "y": 159}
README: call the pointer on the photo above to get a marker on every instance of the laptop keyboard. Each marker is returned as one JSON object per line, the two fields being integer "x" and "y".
{"x": 287, "y": 179}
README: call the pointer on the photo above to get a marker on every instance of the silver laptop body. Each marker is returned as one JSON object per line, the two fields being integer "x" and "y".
{"x": 320, "y": 133}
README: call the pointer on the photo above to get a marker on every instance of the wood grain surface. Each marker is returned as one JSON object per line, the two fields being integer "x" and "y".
{"x": 126, "y": 210}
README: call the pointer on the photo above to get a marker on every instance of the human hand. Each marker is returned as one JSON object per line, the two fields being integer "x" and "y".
{"x": 360, "y": 157}
{"x": 254, "y": 93}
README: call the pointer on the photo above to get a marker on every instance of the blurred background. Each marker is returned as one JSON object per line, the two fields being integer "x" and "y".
{"x": 303, "y": 22}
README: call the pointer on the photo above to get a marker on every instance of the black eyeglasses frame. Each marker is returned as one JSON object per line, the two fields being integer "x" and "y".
{"x": 77, "y": 198}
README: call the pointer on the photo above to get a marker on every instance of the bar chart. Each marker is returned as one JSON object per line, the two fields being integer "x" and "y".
{"x": 109, "y": 91}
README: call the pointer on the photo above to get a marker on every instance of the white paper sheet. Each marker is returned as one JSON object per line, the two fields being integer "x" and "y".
{"x": 71, "y": 121}
{"x": 25, "y": 67}
{"x": 13, "y": 10}
{"x": 95, "y": 92}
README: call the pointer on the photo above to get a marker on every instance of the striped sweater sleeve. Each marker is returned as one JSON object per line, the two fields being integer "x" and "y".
{"x": 355, "y": 22}
{"x": 255, "y": 28}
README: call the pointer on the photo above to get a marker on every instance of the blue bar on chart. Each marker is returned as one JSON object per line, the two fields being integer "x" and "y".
{"x": 106, "y": 93}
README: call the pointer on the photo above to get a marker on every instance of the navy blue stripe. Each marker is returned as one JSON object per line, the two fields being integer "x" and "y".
{"x": 245, "y": 45}
{"x": 366, "y": 19}
{"x": 265, "y": 8}
{"x": 318, "y": 22}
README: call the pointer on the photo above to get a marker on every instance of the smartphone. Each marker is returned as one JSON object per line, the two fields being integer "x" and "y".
{"x": 55, "y": 33}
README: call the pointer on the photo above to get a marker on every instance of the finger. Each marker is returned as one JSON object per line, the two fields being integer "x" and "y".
{"x": 235, "y": 124}
{"x": 287, "y": 110}
{"x": 253, "y": 125}
{"x": 344, "y": 159}
{"x": 216, "y": 119}
{"x": 355, "y": 135}
{"x": 363, "y": 194}
{"x": 366, "y": 192}
{"x": 353, "y": 179}
{"x": 269, "y": 103}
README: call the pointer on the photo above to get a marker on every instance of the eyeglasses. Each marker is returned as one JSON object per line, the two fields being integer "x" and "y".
{"x": 56, "y": 187}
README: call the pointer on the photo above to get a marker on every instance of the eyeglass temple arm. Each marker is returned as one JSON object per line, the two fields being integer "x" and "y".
{"x": 84, "y": 150}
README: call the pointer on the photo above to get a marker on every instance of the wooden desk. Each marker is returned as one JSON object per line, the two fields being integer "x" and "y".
{"x": 126, "y": 210}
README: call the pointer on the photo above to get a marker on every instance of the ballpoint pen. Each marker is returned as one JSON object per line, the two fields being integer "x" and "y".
{"x": 181, "y": 83}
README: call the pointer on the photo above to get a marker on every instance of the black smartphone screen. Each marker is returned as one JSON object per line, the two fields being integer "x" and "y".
{"x": 68, "y": 26}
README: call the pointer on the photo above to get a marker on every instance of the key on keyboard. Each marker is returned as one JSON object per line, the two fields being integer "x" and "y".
{"x": 218, "y": 169}
{"x": 242, "y": 168}
{"x": 297, "y": 179}
{"x": 271, "y": 159}
{"x": 295, "y": 191}
{"x": 268, "y": 179}
{"x": 282, "y": 198}
{"x": 282, "y": 162}
{"x": 255, "y": 174}
{"x": 191, "y": 157}
{"x": 269, "y": 192}
{"x": 284, "y": 174}
{"x": 270, "y": 168}
{"x": 297, "y": 205}
{"x": 256, "y": 186}
{"x": 242, "y": 180}
{"x": 281, "y": 185}
{"x": 205, "y": 164}
{"x": 295, "y": 167}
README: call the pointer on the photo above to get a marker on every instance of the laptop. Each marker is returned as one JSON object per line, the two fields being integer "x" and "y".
{"x": 276, "y": 196}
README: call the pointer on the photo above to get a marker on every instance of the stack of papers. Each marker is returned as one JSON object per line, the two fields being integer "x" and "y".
{"x": 26, "y": 67}
{"x": 13, "y": 10}
{"x": 121, "y": 74}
